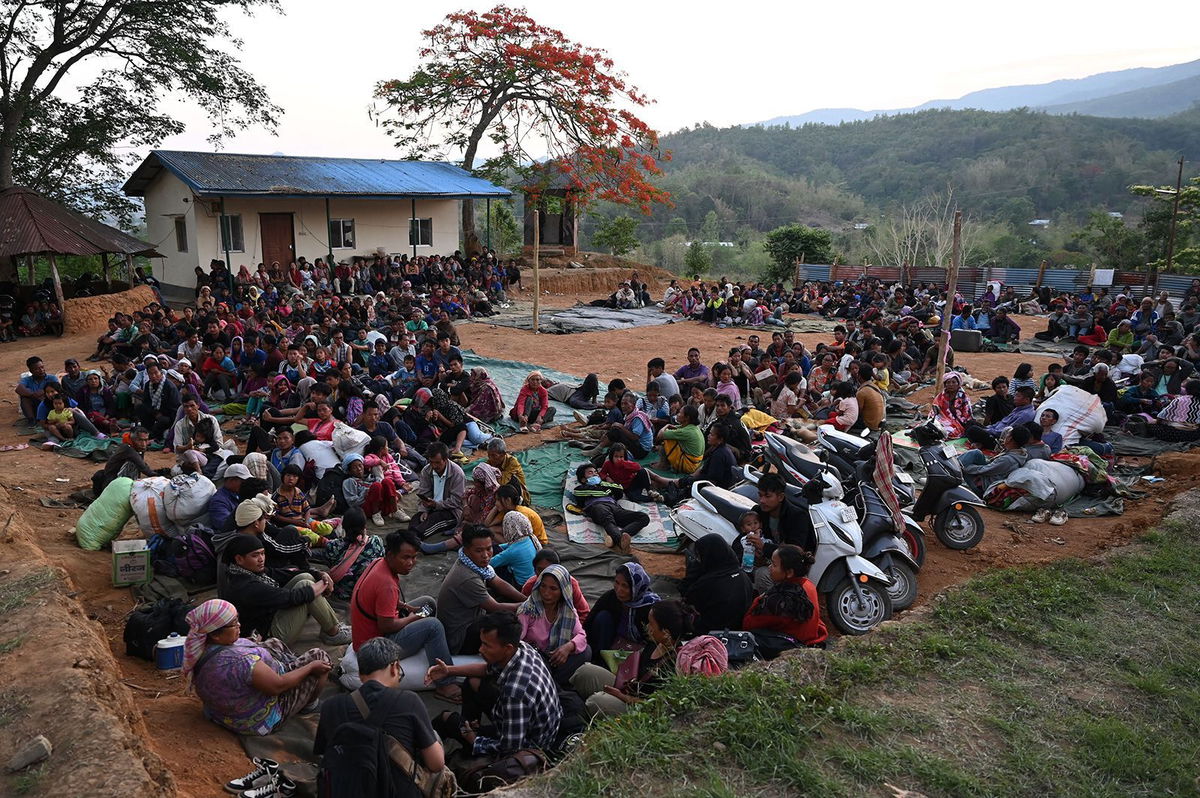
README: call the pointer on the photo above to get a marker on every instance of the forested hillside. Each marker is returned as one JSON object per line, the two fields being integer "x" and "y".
{"x": 1060, "y": 164}
{"x": 1004, "y": 169}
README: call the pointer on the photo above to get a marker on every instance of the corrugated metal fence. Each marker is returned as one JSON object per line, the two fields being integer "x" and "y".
{"x": 972, "y": 281}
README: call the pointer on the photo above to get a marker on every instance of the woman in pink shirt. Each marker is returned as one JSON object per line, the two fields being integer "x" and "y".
{"x": 550, "y": 624}
{"x": 532, "y": 407}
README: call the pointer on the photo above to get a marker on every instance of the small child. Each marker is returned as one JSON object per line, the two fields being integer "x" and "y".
{"x": 376, "y": 496}
{"x": 751, "y": 540}
{"x": 405, "y": 377}
{"x": 60, "y": 421}
{"x": 627, "y": 473}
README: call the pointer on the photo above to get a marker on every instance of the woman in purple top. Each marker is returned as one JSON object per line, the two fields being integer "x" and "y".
{"x": 246, "y": 686}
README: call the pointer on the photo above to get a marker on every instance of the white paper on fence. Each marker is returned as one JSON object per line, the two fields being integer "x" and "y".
{"x": 1079, "y": 413}
{"x": 1102, "y": 277}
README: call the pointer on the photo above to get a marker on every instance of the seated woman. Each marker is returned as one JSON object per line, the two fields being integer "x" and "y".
{"x": 1180, "y": 420}
{"x": 618, "y": 619}
{"x": 550, "y": 623}
{"x": 716, "y": 586}
{"x": 247, "y": 686}
{"x": 480, "y": 496}
{"x": 683, "y": 442}
{"x": 952, "y": 407}
{"x": 668, "y": 623}
{"x": 789, "y": 607}
{"x": 517, "y": 552}
{"x": 532, "y": 406}
{"x": 349, "y": 555}
{"x": 486, "y": 403}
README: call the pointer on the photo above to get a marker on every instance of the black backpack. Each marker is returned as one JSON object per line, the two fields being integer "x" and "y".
{"x": 150, "y": 623}
{"x": 357, "y": 764}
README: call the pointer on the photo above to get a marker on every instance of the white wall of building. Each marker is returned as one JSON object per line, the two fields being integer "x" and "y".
{"x": 382, "y": 223}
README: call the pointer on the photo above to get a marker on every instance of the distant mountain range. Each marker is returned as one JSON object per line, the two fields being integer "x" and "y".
{"x": 1145, "y": 92}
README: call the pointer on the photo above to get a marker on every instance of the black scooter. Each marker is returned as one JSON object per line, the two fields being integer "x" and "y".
{"x": 956, "y": 522}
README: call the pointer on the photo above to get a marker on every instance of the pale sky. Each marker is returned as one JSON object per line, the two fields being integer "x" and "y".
{"x": 702, "y": 61}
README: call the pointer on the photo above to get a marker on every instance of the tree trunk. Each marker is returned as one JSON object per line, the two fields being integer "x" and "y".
{"x": 470, "y": 236}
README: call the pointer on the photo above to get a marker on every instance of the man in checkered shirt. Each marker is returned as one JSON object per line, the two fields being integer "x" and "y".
{"x": 514, "y": 689}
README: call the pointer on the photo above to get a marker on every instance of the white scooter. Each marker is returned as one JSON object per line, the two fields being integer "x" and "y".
{"x": 855, "y": 590}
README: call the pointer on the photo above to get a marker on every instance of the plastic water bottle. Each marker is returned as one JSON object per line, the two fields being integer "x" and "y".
{"x": 747, "y": 556}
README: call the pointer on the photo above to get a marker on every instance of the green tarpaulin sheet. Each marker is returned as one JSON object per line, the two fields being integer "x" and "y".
{"x": 509, "y": 376}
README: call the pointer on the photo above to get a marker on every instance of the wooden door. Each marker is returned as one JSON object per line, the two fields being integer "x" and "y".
{"x": 278, "y": 238}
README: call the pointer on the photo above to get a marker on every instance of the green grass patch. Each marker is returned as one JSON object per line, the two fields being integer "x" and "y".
{"x": 14, "y": 593}
{"x": 1076, "y": 679}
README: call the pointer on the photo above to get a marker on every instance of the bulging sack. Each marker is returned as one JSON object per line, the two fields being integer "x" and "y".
{"x": 186, "y": 498}
{"x": 101, "y": 522}
{"x": 346, "y": 439}
{"x": 1079, "y": 413}
{"x": 148, "y": 497}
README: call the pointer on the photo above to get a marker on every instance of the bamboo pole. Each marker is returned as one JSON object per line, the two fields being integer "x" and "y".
{"x": 107, "y": 275}
{"x": 58, "y": 292}
{"x": 951, "y": 289}
{"x": 537, "y": 281}
{"x": 1041, "y": 276}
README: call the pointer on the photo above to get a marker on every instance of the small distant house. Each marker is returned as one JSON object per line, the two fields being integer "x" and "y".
{"x": 1040, "y": 223}
{"x": 251, "y": 209}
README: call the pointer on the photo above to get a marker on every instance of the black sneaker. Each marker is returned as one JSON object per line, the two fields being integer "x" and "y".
{"x": 277, "y": 786}
{"x": 262, "y": 768}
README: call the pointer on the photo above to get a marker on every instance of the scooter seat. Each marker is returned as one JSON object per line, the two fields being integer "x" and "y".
{"x": 729, "y": 505}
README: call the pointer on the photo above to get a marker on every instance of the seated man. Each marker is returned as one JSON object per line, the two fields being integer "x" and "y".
{"x": 378, "y": 609}
{"x": 159, "y": 401}
{"x": 1022, "y": 413}
{"x": 31, "y": 388}
{"x": 1003, "y": 329}
{"x": 441, "y": 492}
{"x": 466, "y": 593}
{"x": 191, "y": 419}
{"x": 513, "y": 688}
{"x": 399, "y": 713}
{"x": 982, "y": 471}
{"x": 269, "y": 608}
{"x": 598, "y": 501}
{"x": 125, "y": 460}
{"x": 225, "y": 501}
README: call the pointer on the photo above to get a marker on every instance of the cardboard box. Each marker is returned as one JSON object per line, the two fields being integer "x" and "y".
{"x": 765, "y": 378}
{"x": 131, "y": 563}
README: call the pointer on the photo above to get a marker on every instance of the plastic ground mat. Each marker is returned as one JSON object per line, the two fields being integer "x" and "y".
{"x": 585, "y": 318}
{"x": 580, "y": 529}
{"x": 509, "y": 376}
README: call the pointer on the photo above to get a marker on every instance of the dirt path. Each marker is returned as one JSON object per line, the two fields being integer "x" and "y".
{"x": 176, "y": 728}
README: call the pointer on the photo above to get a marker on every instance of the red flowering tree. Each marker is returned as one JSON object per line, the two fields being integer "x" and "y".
{"x": 530, "y": 92}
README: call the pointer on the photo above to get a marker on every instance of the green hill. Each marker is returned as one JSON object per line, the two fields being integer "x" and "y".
{"x": 1148, "y": 102}
{"x": 1050, "y": 165}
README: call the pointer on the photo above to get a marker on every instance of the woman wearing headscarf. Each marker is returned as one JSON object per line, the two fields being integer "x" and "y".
{"x": 261, "y": 468}
{"x": 246, "y": 686}
{"x": 243, "y": 276}
{"x": 716, "y": 586}
{"x": 550, "y": 624}
{"x": 516, "y": 552}
{"x": 98, "y": 402}
{"x": 951, "y": 406}
{"x": 618, "y": 619}
{"x": 532, "y": 406}
{"x": 480, "y": 497}
{"x": 486, "y": 403}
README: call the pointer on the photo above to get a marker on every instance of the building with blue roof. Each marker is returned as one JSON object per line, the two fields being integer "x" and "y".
{"x": 251, "y": 209}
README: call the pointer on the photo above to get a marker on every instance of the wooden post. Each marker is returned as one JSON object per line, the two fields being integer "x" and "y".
{"x": 58, "y": 292}
{"x": 537, "y": 281}
{"x": 951, "y": 289}
{"x": 31, "y": 267}
{"x": 129, "y": 270}
{"x": 1174, "y": 216}
{"x": 1041, "y": 276}
{"x": 104, "y": 267}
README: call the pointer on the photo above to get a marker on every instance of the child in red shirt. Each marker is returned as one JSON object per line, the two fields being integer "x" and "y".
{"x": 627, "y": 473}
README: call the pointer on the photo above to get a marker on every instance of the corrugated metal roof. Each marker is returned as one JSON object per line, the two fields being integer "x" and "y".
{"x": 216, "y": 174}
{"x": 30, "y": 224}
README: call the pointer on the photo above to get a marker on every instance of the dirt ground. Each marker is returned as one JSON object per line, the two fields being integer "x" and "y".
{"x": 201, "y": 757}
